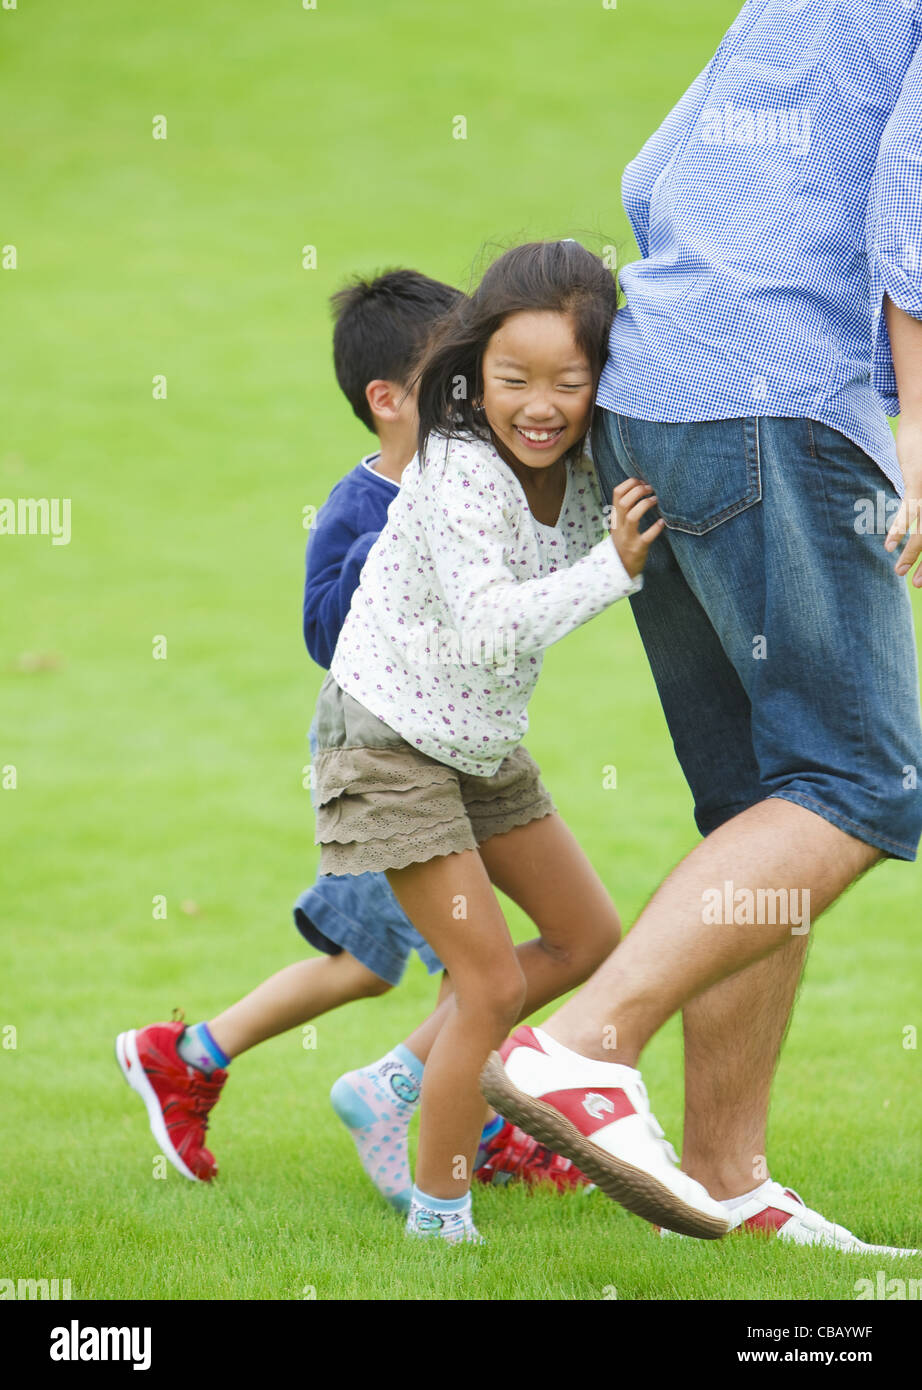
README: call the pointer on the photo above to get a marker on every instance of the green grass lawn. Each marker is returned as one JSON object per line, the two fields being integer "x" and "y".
{"x": 137, "y": 777}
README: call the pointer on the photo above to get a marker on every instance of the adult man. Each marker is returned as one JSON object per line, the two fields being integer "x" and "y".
{"x": 773, "y": 323}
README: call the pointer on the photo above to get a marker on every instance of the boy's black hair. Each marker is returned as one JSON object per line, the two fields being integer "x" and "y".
{"x": 561, "y": 276}
{"x": 382, "y": 329}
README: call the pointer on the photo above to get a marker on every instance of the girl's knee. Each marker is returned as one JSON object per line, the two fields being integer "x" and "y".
{"x": 594, "y": 945}
{"x": 601, "y": 941}
{"x": 609, "y": 936}
{"x": 506, "y": 996}
{"x": 495, "y": 1002}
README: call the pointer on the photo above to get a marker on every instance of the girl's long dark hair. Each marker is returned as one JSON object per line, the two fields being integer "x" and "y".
{"x": 560, "y": 276}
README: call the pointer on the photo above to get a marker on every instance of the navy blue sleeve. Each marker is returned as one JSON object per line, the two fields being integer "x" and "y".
{"x": 335, "y": 556}
{"x": 346, "y": 527}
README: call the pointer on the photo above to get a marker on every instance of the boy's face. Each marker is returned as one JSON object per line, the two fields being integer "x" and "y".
{"x": 537, "y": 387}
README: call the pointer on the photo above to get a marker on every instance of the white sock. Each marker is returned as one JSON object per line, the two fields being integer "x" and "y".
{"x": 450, "y": 1219}
{"x": 732, "y": 1203}
{"x": 593, "y": 1069}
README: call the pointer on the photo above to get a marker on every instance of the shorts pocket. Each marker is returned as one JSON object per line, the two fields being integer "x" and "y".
{"x": 703, "y": 473}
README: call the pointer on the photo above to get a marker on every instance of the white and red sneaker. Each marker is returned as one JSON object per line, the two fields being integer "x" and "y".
{"x": 179, "y": 1098}
{"x": 597, "y": 1114}
{"x": 779, "y": 1211}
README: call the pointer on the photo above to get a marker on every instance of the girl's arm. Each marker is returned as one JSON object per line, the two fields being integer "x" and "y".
{"x": 472, "y": 520}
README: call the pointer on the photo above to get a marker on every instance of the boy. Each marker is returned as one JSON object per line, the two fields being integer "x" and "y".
{"x": 382, "y": 327}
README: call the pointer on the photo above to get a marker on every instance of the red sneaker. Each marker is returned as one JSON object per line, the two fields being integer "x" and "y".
{"x": 178, "y": 1097}
{"x": 512, "y": 1155}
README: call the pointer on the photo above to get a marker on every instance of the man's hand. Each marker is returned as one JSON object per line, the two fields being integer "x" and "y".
{"x": 906, "y": 345}
{"x": 908, "y": 520}
{"x": 631, "y": 500}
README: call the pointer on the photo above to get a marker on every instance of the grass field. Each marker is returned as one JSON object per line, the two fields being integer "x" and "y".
{"x": 137, "y": 777}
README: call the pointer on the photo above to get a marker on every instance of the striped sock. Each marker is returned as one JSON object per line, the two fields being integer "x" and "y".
{"x": 198, "y": 1049}
{"x": 490, "y": 1131}
{"x": 451, "y": 1219}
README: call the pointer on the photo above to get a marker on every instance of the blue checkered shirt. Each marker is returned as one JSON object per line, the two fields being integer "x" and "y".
{"x": 774, "y": 208}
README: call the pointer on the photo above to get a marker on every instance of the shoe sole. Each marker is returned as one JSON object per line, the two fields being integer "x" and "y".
{"x": 126, "y": 1054}
{"x": 635, "y": 1190}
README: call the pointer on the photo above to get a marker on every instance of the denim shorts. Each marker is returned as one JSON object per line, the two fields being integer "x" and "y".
{"x": 358, "y": 913}
{"x": 778, "y": 633}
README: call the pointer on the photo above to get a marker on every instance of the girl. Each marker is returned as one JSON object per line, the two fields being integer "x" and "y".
{"x": 495, "y": 547}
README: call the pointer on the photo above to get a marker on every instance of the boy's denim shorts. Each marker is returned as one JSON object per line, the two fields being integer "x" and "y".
{"x": 358, "y": 913}
{"x": 778, "y": 633}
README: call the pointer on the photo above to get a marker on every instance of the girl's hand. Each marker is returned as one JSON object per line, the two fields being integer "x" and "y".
{"x": 631, "y": 500}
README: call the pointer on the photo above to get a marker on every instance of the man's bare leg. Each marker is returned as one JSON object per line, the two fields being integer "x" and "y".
{"x": 673, "y": 954}
{"x": 733, "y": 1035}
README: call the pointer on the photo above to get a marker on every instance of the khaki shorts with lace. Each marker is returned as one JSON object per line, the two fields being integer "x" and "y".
{"x": 381, "y": 804}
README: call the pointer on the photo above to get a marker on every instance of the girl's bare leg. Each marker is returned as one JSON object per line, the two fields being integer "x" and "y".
{"x": 488, "y": 989}
{"x": 540, "y": 866}
{"x": 543, "y": 869}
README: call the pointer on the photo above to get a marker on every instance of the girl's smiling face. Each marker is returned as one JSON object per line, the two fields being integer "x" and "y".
{"x": 537, "y": 387}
